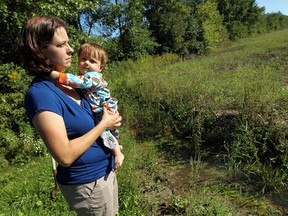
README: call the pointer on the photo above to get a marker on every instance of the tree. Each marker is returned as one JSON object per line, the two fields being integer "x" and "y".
{"x": 240, "y": 16}
{"x": 276, "y": 21}
{"x": 13, "y": 14}
{"x": 195, "y": 42}
{"x": 121, "y": 23}
{"x": 212, "y": 23}
{"x": 135, "y": 39}
{"x": 167, "y": 22}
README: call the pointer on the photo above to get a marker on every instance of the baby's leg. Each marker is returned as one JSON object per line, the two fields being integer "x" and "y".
{"x": 119, "y": 157}
{"x": 109, "y": 140}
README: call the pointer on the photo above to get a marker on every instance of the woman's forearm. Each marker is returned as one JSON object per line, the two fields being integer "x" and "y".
{"x": 79, "y": 145}
{"x": 52, "y": 130}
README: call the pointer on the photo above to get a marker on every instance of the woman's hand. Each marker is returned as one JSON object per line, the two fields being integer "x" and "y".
{"x": 111, "y": 118}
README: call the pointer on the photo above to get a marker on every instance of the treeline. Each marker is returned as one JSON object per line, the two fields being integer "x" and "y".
{"x": 133, "y": 29}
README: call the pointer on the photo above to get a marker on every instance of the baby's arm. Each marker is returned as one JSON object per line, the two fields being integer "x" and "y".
{"x": 76, "y": 81}
{"x": 88, "y": 80}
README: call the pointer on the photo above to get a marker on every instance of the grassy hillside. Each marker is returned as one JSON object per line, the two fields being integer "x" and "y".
{"x": 205, "y": 136}
{"x": 232, "y": 102}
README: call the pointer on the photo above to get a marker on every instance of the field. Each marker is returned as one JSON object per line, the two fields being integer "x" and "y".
{"x": 201, "y": 136}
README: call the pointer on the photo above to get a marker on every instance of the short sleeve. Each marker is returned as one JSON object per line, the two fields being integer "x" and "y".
{"x": 38, "y": 99}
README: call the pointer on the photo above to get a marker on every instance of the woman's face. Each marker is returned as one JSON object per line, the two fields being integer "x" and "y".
{"x": 59, "y": 51}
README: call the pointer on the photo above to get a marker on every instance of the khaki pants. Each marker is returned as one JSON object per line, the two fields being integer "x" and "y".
{"x": 98, "y": 198}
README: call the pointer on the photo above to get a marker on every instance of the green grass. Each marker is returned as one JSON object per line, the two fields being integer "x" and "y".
{"x": 149, "y": 184}
{"x": 25, "y": 190}
{"x": 206, "y": 136}
{"x": 235, "y": 98}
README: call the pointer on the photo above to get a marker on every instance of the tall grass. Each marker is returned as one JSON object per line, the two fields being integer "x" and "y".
{"x": 235, "y": 98}
{"x": 232, "y": 104}
{"x": 26, "y": 189}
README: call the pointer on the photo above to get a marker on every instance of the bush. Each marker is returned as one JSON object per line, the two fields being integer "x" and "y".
{"x": 18, "y": 141}
{"x": 13, "y": 79}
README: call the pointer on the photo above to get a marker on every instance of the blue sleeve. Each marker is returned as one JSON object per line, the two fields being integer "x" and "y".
{"x": 38, "y": 99}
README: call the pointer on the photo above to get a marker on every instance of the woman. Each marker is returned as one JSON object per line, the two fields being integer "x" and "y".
{"x": 63, "y": 118}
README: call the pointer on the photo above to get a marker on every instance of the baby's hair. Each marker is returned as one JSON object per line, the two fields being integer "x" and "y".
{"x": 94, "y": 50}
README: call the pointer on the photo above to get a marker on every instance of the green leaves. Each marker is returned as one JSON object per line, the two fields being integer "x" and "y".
{"x": 133, "y": 29}
{"x": 240, "y": 17}
{"x": 14, "y": 13}
{"x": 212, "y": 23}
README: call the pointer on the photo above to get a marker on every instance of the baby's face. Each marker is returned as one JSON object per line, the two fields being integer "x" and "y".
{"x": 87, "y": 63}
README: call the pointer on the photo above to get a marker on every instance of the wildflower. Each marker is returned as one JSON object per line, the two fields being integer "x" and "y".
{"x": 13, "y": 75}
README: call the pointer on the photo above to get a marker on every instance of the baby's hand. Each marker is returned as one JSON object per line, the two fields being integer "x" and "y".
{"x": 112, "y": 119}
{"x": 91, "y": 67}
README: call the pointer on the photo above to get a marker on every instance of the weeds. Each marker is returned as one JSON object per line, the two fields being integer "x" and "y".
{"x": 190, "y": 99}
{"x": 231, "y": 104}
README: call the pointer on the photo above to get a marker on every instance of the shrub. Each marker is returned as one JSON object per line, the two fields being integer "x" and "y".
{"x": 13, "y": 79}
{"x": 18, "y": 142}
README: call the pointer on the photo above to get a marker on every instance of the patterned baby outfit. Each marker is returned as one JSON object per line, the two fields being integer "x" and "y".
{"x": 98, "y": 95}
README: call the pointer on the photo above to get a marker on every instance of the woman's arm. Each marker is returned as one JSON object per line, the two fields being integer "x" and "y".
{"x": 52, "y": 130}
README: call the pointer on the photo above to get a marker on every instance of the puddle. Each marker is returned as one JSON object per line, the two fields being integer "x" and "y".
{"x": 279, "y": 201}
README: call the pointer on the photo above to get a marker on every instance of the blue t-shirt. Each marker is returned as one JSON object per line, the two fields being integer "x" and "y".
{"x": 97, "y": 160}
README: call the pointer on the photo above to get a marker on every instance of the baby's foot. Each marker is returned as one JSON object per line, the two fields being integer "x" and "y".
{"x": 109, "y": 140}
{"x": 118, "y": 161}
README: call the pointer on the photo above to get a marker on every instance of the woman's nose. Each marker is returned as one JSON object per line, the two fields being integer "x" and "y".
{"x": 70, "y": 49}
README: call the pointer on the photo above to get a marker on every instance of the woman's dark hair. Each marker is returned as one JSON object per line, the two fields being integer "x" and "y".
{"x": 36, "y": 35}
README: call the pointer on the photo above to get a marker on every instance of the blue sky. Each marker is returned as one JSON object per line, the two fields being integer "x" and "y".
{"x": 274, "y": 6}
